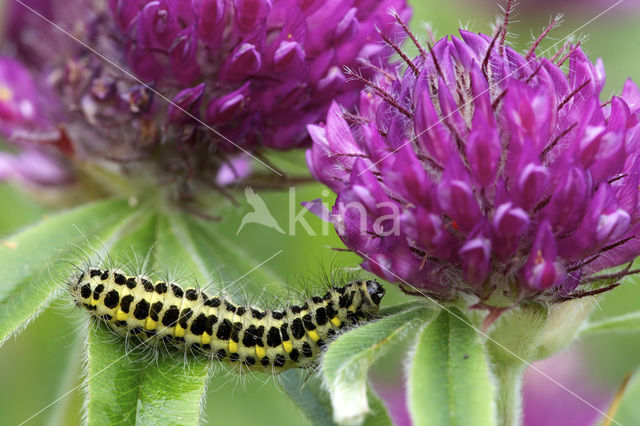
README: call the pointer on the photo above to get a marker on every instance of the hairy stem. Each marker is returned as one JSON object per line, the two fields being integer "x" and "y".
{"x": 514, "y": 340}
{"x": 525, "y": 334}
{"x": 509, "y": 393}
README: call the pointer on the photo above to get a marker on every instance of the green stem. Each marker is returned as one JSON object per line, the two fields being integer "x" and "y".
{"x": 509, "y": 393}
{"x": 514, "y": 339}
{"x": 523, "y": 335}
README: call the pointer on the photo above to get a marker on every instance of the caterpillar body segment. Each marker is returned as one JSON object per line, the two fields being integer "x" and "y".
{"x": 262, "y": 340}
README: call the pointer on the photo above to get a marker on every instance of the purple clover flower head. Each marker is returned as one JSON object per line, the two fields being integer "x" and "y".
{"x": 257, "y": 71}
{"x": 485, "y": 171}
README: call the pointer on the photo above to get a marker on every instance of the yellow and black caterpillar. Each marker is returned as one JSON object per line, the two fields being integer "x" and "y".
{"x": 264, "y": 340}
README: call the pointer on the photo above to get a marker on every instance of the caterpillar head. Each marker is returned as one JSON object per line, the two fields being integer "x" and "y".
{"x": 76, "y": 282}
{"x": 82, "y": 287}
{"x": 375, "y": 292}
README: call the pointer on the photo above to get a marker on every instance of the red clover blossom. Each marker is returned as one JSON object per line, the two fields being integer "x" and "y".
{"x": 257, "y": 71}
{"x": 488, "y": 172}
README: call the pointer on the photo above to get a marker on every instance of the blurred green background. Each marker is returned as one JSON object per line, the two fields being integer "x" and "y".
{"x": 45, "y": 361}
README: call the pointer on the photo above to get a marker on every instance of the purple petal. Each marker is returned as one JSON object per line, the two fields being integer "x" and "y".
{"x": 186, "y": 104}
{"x": 430, "y": 133}
{"x": 483, "y": 153}
{"x": 289, "y": 56}
{"x": 631, "y": 95}
{"x": 456, "y": 197}
{"x": 531, "y": 184}
{"x": 408, "y": 177}
{"x": 612, "y": 226}
{"x": 509, "y": 224}
{"x": 476, "y": 260}
{"x": 318, "y": 208}
{"x": 249, "y": 14}
{"x": 429, "y": 233}
{"x": 210, "y": 15}
{"x": 125, "y": 10}
{"x": 225, "y": 108}
{"x": 244, "y": 61}
{"x": 541, "y": 271}
{"x": 568, "y": 202}
{"x": 182, "y": 56}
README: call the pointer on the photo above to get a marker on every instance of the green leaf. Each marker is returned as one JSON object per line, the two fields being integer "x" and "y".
{"x": 628, "y": 412}
{"x": 315, "y": 403}
{"x": 35, "y": 262}
{"x": 400, "y": 307}
{"x": 629, "y": 323}
{"x": 123, "y": 384}
{"x": 126, "y": 382}
{"x": 449, "y": 381}
{"x": 114, "y": 369}
{"x": 162, "y": 391}
{"x": 350, "y": 356}
{"x": 113, "y": 379}
{"x": 173, "y": 391}
{"x": 308, "y": 395}
{"x": 169, "y": 388}
{"x": 23, "y": 252}
{"x": 214, "y": 248}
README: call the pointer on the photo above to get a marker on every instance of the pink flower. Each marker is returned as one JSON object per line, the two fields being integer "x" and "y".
{"x": 485, "y": 171}
{"x": 256, "y": 71}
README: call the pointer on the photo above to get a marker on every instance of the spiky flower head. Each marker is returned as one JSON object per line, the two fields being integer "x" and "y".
{"x": 187, "y": 85}
{"x": 488, "y": 172}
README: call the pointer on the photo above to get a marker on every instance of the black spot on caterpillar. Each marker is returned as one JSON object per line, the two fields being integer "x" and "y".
{"x": 262, "y": 340}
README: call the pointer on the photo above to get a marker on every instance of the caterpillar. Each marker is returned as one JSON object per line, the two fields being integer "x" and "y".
{"x": 262, "y": 340}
